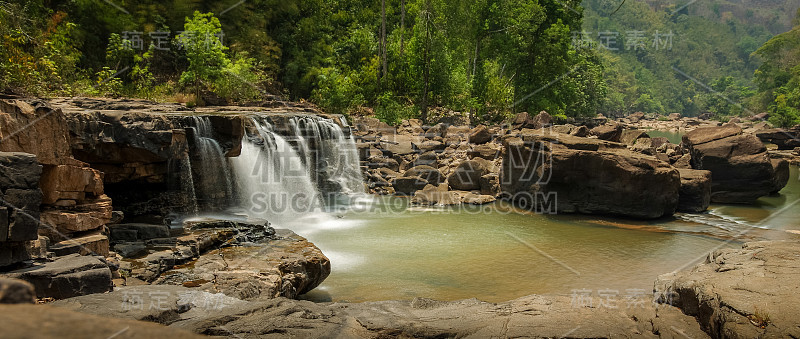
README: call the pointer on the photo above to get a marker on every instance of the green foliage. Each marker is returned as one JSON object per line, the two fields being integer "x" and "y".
{"x": 204, "y": 51}
{"x": 778, "y": 78}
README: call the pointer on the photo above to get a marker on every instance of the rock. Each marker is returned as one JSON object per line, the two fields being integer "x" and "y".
{"x": 88, "y": 216}
{"x": 36, "y": 129}
{"x": 704, "y": 116}
{"x": 685, "y": 161}
{"x": 411, "y": 126}
{"x": 543, "y": 119}
{"x": 734, "y": 120}
{"x": 581, "y": 131}
{"x": 400, "y": 144}
{"x": 427, "y": 173}
{"x": 487, "y": 151}
{"x": 490, "y": 184}
{"x": 369, "y": 125}
{"x": 695, "y": 193}
{"x": 19, "y": 170}
{"x": 635, "y": 117}
{"x": 383, "y": 162}
{"x": 760, "y": 117}
{"x": 659, "y": 141}
{"x": 62, "y": 181}
{"x": 741, "y": 293}
{"x": 563, "y": 129}
{"x": 629, "y": 136}
{"x": 67, "y": 277}
{"x": 740, "y": 167}
{"x": 610, "y": 132}
{"x": 549, "y": 178}
{"x": 477, "y": 199}
{"x": 41, "y": 321}
{"x": 134, "y": 232}
{"x": 524, "y": 120}
{"x": 784, "y": 139}
{"x": 480, "y": 135}
{"x": 286, "y": 266}
{"x": 436, "y": 195}
{"x": 467, "y": 175}
{"x": 781, "y": 170}
{"x": 15, "y": 291}
{"x": 531, "y": 316}
{"x": 94, "y": 244}
{"x": 674, "y": 116}
{"x": 408, "y": 185}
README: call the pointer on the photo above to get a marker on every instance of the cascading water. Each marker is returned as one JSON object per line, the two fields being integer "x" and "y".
{"x": 273, "y": 183}
{"x": 213, "y": 185}
{"x": 334, "y": 158}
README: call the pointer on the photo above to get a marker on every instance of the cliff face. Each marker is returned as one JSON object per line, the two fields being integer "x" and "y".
{"x": 65, "y": 196}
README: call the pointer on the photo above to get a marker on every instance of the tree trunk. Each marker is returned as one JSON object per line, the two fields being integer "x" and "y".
{"x": 383, "y": 37}
{"x": 427, "y": 62}
{"x": 402, "y": 27}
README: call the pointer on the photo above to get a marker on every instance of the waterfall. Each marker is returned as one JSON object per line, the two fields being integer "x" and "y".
{"x": 272, "y": 180}
{"x": 329, "y": 153}
{"x": 213, "y": 185}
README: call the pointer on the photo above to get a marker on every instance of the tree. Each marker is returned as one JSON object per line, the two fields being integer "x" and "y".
{"x": 204, "y": 51}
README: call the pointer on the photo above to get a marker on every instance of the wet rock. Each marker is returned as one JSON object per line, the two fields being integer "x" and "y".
{"x": 740, "y": 166}
{"x": 134, "y": 232}
{"x": 695, "y": 193}
{"x": 67, "y": 277}
{"x": 741, "y": 293}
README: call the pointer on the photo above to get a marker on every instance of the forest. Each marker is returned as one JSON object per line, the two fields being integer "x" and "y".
{"x": 400, "y": 59}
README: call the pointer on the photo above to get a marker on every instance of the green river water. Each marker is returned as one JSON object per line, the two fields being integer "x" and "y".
{"x": 381, "y": 248}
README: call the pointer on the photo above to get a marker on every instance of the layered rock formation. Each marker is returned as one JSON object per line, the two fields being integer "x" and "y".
{"x": 72, "y": 203}
{"x": 533, "y": 316}
{"x": 741, "y": 293}
{"x": 587, "y": 176}
{"x": 740, "y": 167}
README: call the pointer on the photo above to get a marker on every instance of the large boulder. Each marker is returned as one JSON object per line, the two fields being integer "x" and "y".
{"x": 740, "y": 293}
{"x": 587, "y": 176}
{"x": 67, "y": 277}
{"x": 609, "y": 131}
{"x": 740, "y": 166}
{"x": 695, "y": 193}
{"x": 429, "y": 174}
{"x": 784, "y": 139}
{"x": 480, "y": 135}
{"x": 467, "y": 175}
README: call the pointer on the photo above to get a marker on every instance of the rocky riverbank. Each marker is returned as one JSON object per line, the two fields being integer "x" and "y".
{"x": 600, "y": 167}
{"x": 741, "y": 293}
{"x": 95, "y": 194}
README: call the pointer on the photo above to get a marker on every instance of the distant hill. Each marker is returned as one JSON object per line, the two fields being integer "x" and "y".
{"x": 711, "y": 45}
